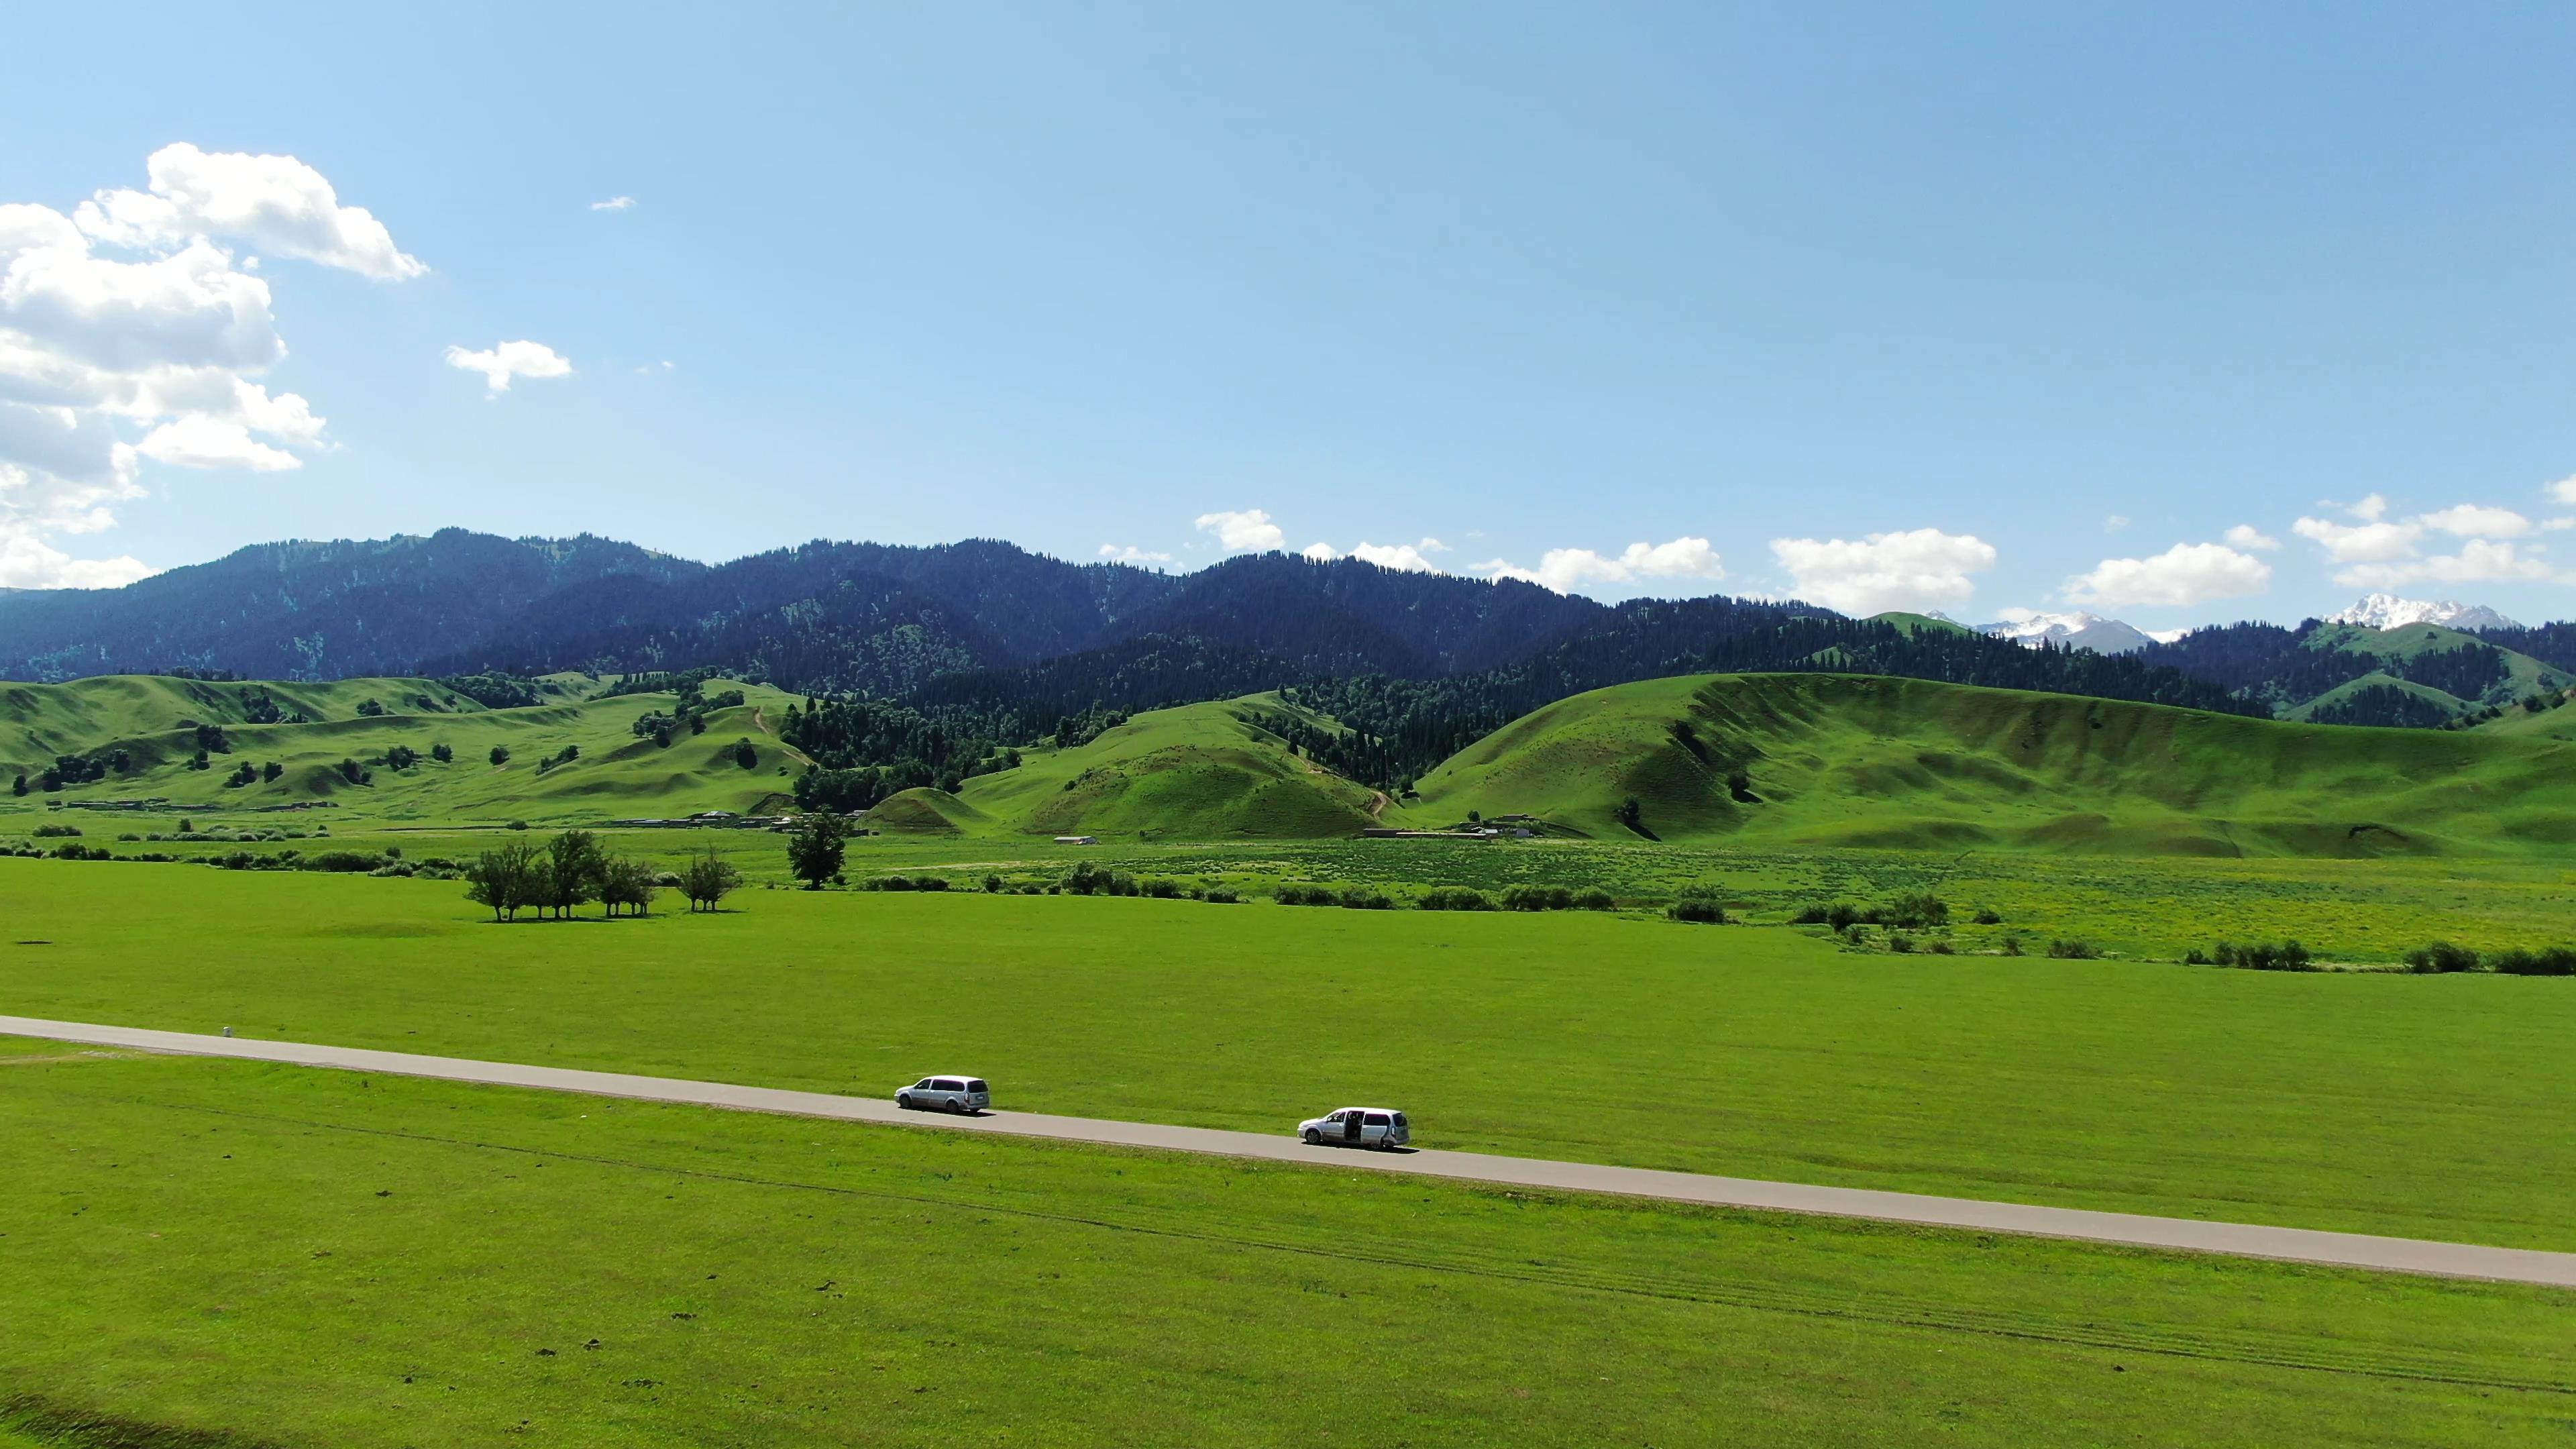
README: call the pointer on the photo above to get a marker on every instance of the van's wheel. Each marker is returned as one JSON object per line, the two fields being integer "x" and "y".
{"x": 1314, "y": 1138}
{"x": 956, "y": 1107}
{"x": 903, "y": 1100}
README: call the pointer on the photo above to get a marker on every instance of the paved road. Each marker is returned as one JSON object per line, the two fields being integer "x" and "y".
{"x": 2350, "y": 1250}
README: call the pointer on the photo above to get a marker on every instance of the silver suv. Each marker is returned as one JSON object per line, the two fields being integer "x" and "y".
{"x": 946, "y": 1094}
{"x": 1357, "y": 1127}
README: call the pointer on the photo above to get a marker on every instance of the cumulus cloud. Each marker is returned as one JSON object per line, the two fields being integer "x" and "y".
{"x": 2187, "y": 573}
{"x": 1131, "y": 554}
{"x": 2381, "y": 552}
{"x": 1407, "y": 557}
{"x": 614, "y": 203}
{"x": 2562, "y": 491}
{"x": 27, "y": 562}
{"x": 1565, "y": 570}
{"x": 1247, "y": 530}
{"x": 1320, "y": 552}
{"x": 506, "y": 360}
{"x": 2246, "y": 535}
{"x": 1918, "y": 569}
{"x": 131, "y": 332}
{"x": 2115, "y": 523}
{"x": 275, "y": 203}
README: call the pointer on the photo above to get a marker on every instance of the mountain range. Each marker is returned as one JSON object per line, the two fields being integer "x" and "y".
{"x": 1016, "y": 640}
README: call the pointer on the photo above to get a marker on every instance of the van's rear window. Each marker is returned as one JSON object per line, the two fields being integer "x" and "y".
{"x": 977, "y": 1085}
{"x": 1400, "y": 1122}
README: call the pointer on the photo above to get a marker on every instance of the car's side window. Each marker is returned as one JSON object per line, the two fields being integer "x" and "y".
{"x": 922, "y": 1086}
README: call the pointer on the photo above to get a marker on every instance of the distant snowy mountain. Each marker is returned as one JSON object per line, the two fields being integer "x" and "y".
{"x": 2387, "y": 611}
{"x": 2077, "y": 630}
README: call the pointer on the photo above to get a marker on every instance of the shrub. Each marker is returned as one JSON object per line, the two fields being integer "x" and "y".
{"x": 2441, "y": 957}
{"x": 1913, "y": 911}
{"x": 1699, "y": 910}
{"x": 1595, "y": 900}
{"x": 930, "y": 882}
{"x": 888, "y": 883}
{"x": 2012, "y": 945}
{"x": 1900, "y": 943}
{"x": 1457, "y": 898}
{"x": 1361, "y": 898}
{"x": 2069, "y": 950}
{"x": 1988, "y": 917}
{"x": 1843, "y": 915}
{"x": 518, "y": 825}
{"x": 345, "y": 861}
{"x": 2547, "y": 961}
{"x": 1537, "y": 898}
{"x": 53, "y": 832}
{"x": 1300, "y": 895}
{"x": 1939, "y": 948}
{"x": 1090, "y": 879}
{"x": 1220, "y": 896}
{"x": 994, "y": 885}
{"x": 2264, "y": 956}
{"x": 1162, "y": 890}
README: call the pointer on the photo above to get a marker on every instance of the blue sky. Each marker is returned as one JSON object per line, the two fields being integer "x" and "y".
{"x": 1885, "y": 306}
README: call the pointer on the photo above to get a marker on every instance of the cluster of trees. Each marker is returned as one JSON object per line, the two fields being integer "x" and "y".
{"x": 573, "y": 869}
{"x": 898, "y": 741}
{"x": 495, "y": 690}
{"x": 2384, "y": 705}
{"x": 689, "y": 711}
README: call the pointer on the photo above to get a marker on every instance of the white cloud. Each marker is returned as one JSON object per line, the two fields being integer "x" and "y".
{"x": 133, "y": 316}
{"x": 2563, "y": 491}
{"x": 2115, "y": 523}
{"x": 275, "y": 203}
{"x": 2558, "y": 525}
{"x": 2246, "y": 535}
{"x": 2470, "y": 520}
{"x": 1320, "y": 552}
{"x": 1131, "y": 554}
{"x": 198, "y": 441}
{"x": 1247, "y": 530}
{"x": 1404, "y": 557}
{"x": 27, "y": 562}
{"x": 2187, "y": 573}
{"x": 2385, "y": 553}
{"x": 614, "y": 203}
{"x": 1922, "y": 568}
{"x": 2479, "y": 561}
{"x": 506, "y": 360}
{"x": 1567, "y": 569}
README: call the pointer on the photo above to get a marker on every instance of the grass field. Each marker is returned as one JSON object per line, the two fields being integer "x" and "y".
{"x": 1849, "y": 760}
{"x": 2421, "y": 1106}
{"x": 614, "y": 774}
{"x": 234, "y": 1255}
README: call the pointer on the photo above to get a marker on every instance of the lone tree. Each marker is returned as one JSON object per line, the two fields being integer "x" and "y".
{"x": 744, "y": 754}
{"x": 500, "y": 755}
{"x": 708, "y": 880}
{"x": 815, "y": 847}
{"x": 506, "y": 879}
{"x": 442, "y": 752}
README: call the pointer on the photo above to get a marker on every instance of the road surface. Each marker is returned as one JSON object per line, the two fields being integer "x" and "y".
{"x": 2347, "y": 1250}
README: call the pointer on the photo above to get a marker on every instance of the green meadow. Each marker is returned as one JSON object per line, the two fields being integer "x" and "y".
{"x": 223, "y": 1255}
{"x": 2420, "y": 1106}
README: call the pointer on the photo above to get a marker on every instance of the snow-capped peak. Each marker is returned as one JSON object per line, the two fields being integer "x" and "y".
{"x": 2079, "y": 630}
{"x": 2387, "y": 611}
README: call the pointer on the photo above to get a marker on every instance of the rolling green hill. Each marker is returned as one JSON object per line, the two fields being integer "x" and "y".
{"x": 2523, "y": 675}
{"x": 1851, "y": 760}
{"x": 1198, "y": 772}
{"x": 152, "y": 725}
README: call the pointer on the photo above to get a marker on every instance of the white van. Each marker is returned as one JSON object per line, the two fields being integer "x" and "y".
{"x": 1381, "y": 1127}
{"x": 946, "y": 1094}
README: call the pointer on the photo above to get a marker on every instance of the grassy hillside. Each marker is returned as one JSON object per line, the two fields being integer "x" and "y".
{"x": 1846, "y": 760}
{"x": 153, "y": 721}
{"x": 2524, "y": 675}
{"x": 1199, "y": 772}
